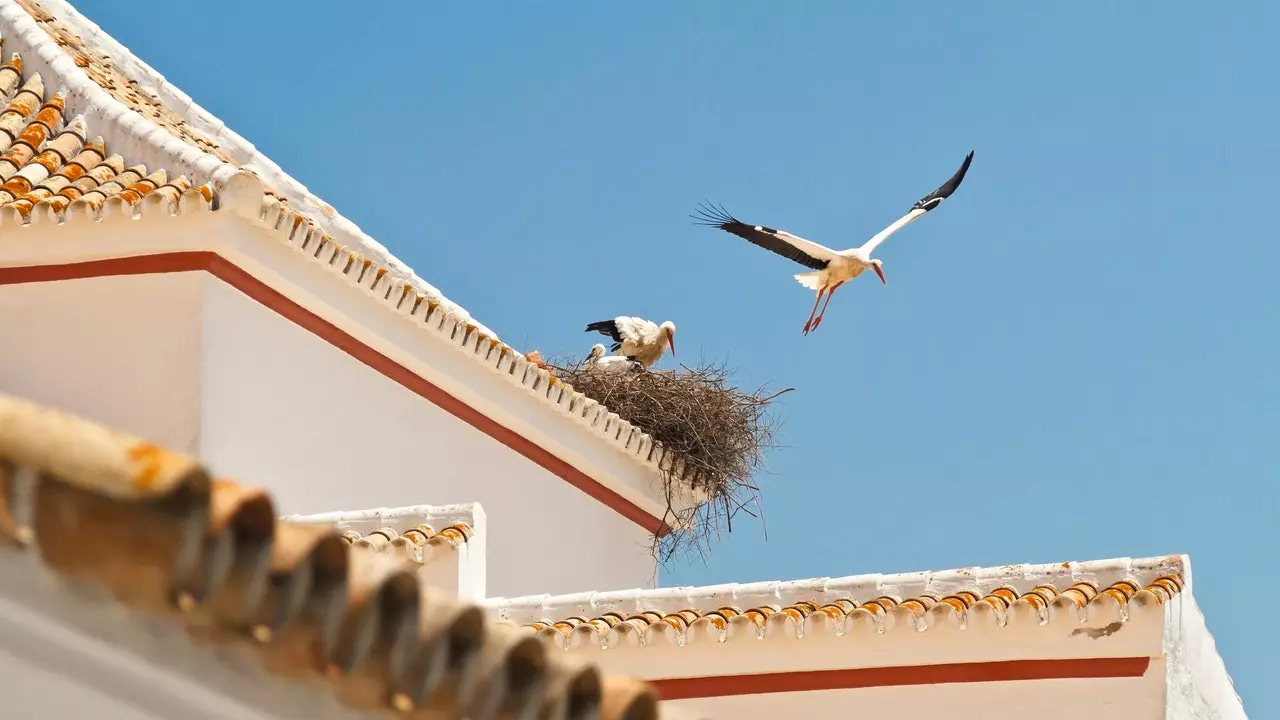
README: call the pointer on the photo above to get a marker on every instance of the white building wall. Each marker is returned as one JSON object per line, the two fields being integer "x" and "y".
{"x": 283, "y": 408}
{"x": 124, "y": 351}
{"x": 1198, "y": 685}
{"x": 188, "y": 361}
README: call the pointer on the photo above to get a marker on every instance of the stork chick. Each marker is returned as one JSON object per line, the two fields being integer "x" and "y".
{"x": 597, "y": 360}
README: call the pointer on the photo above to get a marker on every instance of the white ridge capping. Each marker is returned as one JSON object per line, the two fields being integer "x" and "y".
{"x": 459, "y": 570}
{"x": 1024, "y": 577}
{"x": 143, "y": 141}
{"x": 244, "y": 195}
{"x": 856, "y": 633}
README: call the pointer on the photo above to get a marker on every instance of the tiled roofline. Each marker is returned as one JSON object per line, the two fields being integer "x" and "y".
{"x": 1114, "y": 619}
{"x": 435, "y": 535}
{"x": 1025, "y": 576}
{"x": 243, "y": 195}
{"x": 842, "y": 606}
{"x": 400, "y": 518}
{"x": 144, "y": 141}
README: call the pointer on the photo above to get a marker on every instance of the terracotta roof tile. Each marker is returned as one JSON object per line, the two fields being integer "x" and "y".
{"x": 416, "y": 543}
{"x": 46, "y": 158}
{"x": 707, "y": 614}
{"x": 156, "y": 531}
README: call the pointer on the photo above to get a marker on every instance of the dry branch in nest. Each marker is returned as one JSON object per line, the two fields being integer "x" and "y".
{"x": 720, "y": 431}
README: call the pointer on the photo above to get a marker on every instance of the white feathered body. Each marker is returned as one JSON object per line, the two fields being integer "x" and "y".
{"x": 843, "y": 267}
{"x": 644, "y": 340}
{"x": 599, "y": 362}
{"x": 641, "y": 339}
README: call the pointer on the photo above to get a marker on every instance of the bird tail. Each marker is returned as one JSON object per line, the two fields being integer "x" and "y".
{"x": 810, "y": 279}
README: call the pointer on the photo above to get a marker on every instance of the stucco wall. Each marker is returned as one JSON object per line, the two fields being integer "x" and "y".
{"x": 124, "y": 351}
{"x": 324, "y": 432}
{"x": 1199, "y": 687}
{"x": 190, "y": 362}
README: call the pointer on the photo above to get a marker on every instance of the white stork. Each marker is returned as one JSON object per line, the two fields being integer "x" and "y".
{"x": 831, "y": 268}
{"x": 638, "y": 338}
{"x": 597, "y": 360}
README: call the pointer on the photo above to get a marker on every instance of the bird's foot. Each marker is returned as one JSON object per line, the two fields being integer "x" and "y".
{"x": 816, "y": 322}
{"x": 807, "y": 327}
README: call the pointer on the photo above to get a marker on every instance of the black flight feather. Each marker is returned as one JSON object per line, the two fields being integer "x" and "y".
{"x": 765, "y": 237}
{"x": 935, "y": 198}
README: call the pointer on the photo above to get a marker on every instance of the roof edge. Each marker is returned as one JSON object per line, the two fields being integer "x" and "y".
{"x": 1024, "y": 577}
{"x": 243, "y": 193}
{"x": 398, "y": 518}
{"x": 143, "y": 140}
{"x": 452, "y": 539}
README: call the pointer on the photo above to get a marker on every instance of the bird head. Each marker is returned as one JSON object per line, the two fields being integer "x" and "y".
{"x": 669, "y": 330}
{"x": 879, "y": 268}
{"x": 597, "y": 352}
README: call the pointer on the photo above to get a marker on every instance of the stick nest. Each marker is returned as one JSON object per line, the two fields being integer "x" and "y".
{"x": 721, "y": 432}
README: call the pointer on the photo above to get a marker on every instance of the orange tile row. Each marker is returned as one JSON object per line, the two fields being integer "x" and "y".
{"x": 412, "y": 543}
{"x": 45, "y": 158}
{"x": 1080, "y": 594}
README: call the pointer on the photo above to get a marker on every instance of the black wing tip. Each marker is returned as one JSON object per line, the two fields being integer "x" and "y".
{"x": 964, "y": 169}
{"x": 713, "y": 215}
{"x": 944, "y": 191}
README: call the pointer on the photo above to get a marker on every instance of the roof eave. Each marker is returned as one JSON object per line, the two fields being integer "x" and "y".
{"x": 238, "y": 222}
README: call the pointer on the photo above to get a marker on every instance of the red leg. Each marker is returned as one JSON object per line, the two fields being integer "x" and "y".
{"x": 808, "y": 325}
{"x": 818, "y": 320}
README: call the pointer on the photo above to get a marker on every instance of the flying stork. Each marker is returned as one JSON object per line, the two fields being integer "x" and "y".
{"x": 831, "y": 268}
{"x": 597, "y": 360}
{"x": 638, "y": 338}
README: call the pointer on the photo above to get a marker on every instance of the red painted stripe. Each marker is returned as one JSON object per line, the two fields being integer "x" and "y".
{"x": 270, "y": 298}
{"x": 950, "y": 674}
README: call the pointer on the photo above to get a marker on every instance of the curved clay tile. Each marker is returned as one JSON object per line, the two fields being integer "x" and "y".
{"x": 43, "y": 161}
{"x": 157, "y": 533}
{"x": 1002, "y": 599}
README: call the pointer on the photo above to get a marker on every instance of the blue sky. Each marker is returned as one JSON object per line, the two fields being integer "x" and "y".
{"x": 1075, "y": 357}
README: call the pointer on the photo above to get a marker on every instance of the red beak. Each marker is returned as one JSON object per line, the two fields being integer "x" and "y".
{"x": 880, "y": 273}
{"x": 671, "y": 340}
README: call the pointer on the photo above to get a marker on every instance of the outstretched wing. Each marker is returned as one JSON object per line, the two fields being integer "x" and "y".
{"x": 609, "y": 328}
{"x": 922, "y": 206}
{"x": 792, "y": 247}
{"x": 935, "y": 198}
